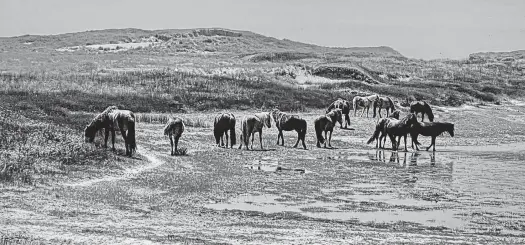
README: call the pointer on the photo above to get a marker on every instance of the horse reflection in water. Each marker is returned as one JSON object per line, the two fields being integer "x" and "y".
{"x": 401, "y": 158}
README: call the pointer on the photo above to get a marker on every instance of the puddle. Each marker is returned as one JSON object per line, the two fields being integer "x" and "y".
{"x": 332, "y": 210}
{"x": 272, "y": 165}
{"x": 511, "y": 147}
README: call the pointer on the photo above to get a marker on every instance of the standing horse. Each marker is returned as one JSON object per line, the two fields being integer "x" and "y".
{"x": 380, "y": 127}
{"x": 432, "y": 129}
{"x": 174, "y": 129}
{"x": 251, "y": 124}
{"x": 394, "y": 127}
{"x": 288, "y": 122}
{"x": 422, "y": 106}
{"x": 326, "y": 123}
{"x": 364, "y": 102}
{"x": 222, "y": 124}
{"x": 384, "y": 103}
{"x": 112, "y": 119}
{"x": 344, "y": 105}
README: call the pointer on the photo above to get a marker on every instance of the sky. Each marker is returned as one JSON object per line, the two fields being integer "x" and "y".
{"x": 416, "y": 28}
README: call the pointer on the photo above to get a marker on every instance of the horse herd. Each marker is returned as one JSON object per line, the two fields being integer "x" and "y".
{"x": 112, "y": 119}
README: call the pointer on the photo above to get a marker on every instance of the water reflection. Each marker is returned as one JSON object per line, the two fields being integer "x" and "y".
{"x": 401, "y": 158}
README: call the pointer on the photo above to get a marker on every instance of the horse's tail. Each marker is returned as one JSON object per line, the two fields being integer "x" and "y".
{"x": 318, "y": 131}
{"x": 379, "y": 126}
{"x": 244, "y": 131}
{"x": 347, "y": 118}
{"x": 167, "y": 128}
{"x": 375, "y": 105}
{"x": 217, "y": 132}
{"x": 233, "y": 137}
{"x": 131, "y": 135}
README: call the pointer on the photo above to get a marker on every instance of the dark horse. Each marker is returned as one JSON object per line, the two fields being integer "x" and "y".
{"x": 423, "y": 108}
{"x": 222, "y": 124}
{"x": 174, "y": 129}
{"x": 394, "y": 127}
{"x": 288, "y": 122}
{"x": 326, "y": 123}
{"x": 384, "y": 103}
{"x": 380, "y": 126}
{"x": 432, "y": 129}
{"x": 344, "y": 105}
{"x": 112, "y": 119}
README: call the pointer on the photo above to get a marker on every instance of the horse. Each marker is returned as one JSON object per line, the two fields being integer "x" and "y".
{"x": 254, "y": 123}
{"x": 432, "y": 129}
{"x": 174, "y": 129}
{"x": 326, "y": 123}
{"x": 287, "y": 122}
{"x": 384, "y": 103}
{"x": 394, "y": 127}
{"x": 364, "y": 102}
{"x": 380, "y": 126}
{"x": 344, "y": 105}
{"x": 423, "y": 108}
{"x": 223, "y": 123}
{"x": 111, "y": 119}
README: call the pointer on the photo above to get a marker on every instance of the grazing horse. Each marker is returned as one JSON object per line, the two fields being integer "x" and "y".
{"x": 222, "y": 124}
{"x": 394, "y": 127}
{"x": 432, "y": 129}
{"x": 380, "y": 126}
{"x": 364, "y": 102}
{"x": 251, "y": 124}
{"x": 289, "y": 122}
{"x": 112, "y": 119}
{"x": 174, "y": 129}
{"x": 384, "y": 103}
{"x": 344, "y": 105}
{"x": 422, "y": 106}
{"x": 326, "y": 123}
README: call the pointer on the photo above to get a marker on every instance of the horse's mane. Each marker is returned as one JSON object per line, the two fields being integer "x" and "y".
{"x": 405, "y": 119}
{"x": 428, "y": 110}
{"x": 102, "y": 118}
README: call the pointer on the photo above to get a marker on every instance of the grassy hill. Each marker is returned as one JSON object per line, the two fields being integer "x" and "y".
{"x": 54, "y": 81}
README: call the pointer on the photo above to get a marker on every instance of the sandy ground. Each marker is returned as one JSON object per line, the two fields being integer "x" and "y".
{"x": 469, "y": 191}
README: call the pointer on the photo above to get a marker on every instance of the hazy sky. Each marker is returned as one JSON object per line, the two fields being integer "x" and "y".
{"x": 416, "y": 28}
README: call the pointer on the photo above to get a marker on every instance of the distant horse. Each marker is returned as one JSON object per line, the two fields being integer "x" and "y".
{"x": 344, "y": 105}
{"x": 287, "y": 122}
{"x": 112, "y": 119}
{"x": 251, "y": 124}
{"x": 394, "y": 127}
{"x": 432, "y": 129}
{"x": 222, "y": 124}
{"x": 423, "y": 108}
{"x": 380, "y": 126}
{"x": 174, "y": 129}
{"x": 384, "y": 103}
{"x": 326, "y": 123}
{"x": 364, "y": 102}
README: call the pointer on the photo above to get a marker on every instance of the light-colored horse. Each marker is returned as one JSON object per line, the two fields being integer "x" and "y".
{"x": 251, "y": 124}
{"x": 174, "y": 129}
{"x": 364, "y": 102}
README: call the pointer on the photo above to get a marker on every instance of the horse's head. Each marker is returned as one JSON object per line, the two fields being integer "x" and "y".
{"x": 89, "y": 133}
{"x": 273, "y": 114}
{"x": 395, "y": 114}
{"x": 337, "y": 115}
{"x": 450, "y": 130}
{"x": 267, "y": 120}
{"x": 411, "y": 119}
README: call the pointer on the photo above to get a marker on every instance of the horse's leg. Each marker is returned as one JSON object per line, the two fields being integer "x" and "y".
{"x": 226, "y": 136}
{"x": 240, "y": 143}
{"x": 253, "y": 136}
{"x": 405, "y": 138}
{"x": 422, "y": 116}
{"x": 282, "y": 137}
{"x": 171, "y": 144}
{"x": 106, "y": 135}
{"x": 298, "y": 138}
{"x": 177, "y": 143}
{"x": 303, "y": 135}
{"x": 393, "y": 140}
{"x": 432, "y": 143}
{"x": 126, "y": 143}
{"x": 260, "y": 139}
{"x": 325, "y": 138}
{"x": 330, "y": 141}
